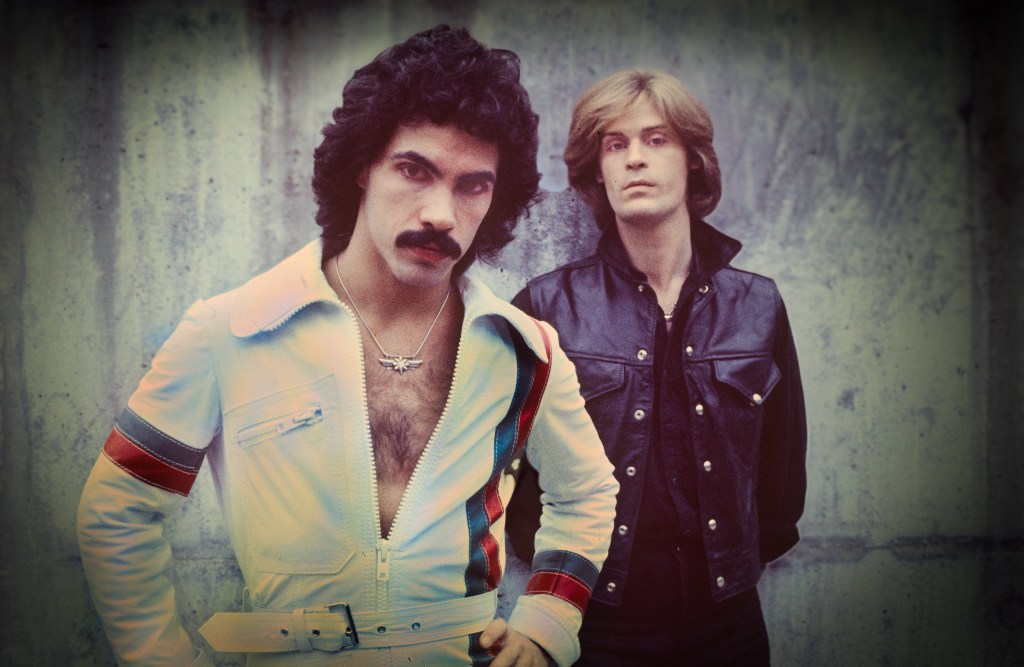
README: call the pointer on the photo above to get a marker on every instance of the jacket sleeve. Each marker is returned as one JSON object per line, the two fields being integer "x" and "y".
{"x": 143, "y": 474}
{"x": 782, "y": 476}
{"x": 578, "y": 499}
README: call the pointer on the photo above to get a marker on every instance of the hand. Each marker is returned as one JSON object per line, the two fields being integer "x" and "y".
{"x": 510, "y": 647}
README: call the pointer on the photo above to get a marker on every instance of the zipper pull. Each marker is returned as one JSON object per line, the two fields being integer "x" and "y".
{"x": 309, "y": 416}
{"x": 383, "y": 560}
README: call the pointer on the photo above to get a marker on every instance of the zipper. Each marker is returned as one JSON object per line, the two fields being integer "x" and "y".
{"x": 383, "y": 559}
{"x": 384, "y": 545}
{"x": 308, "y": 416}
{"x": 437, "y": 428}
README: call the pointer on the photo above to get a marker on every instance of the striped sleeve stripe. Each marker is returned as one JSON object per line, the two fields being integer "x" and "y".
{"x": 542, "y": 370}
{"x": 561, "y": 586}
{"x": 565, "y": 575}
{"x": 158, "y": 443}
{"x": 153, "y": 457}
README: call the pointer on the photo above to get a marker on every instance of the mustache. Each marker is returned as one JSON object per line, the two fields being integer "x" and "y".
{"x": 426, "y": 237}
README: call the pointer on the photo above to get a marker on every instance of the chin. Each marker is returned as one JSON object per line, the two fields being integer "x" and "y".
{"x": 424, "y": 276}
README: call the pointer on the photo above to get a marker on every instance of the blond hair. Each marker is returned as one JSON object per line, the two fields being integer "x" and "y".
{"x": 613, "y": 96}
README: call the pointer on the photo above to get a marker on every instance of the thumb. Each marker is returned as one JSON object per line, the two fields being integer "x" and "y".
{"x": 495, "y": 631}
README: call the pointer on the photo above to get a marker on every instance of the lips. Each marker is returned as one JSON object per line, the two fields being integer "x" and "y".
{"x": 638, "y": 183}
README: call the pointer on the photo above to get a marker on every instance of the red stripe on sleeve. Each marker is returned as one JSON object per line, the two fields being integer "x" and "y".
{"x": 490, "y": 547}
{"x": 532, "y": 403}
{"x": 560, "y": 585}
{"x": 146, "y": 467}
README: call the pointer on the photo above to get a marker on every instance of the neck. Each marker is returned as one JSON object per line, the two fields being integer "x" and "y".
{"x": 378, "y": 295}
{"x": 662, "y": 251}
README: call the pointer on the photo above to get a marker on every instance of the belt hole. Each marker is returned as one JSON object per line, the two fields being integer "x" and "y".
{"x": 284, "y": 633}
{"x": 415, "y": 626}
{"x": 381, "y": 629}
{"x": 316, "y": 633}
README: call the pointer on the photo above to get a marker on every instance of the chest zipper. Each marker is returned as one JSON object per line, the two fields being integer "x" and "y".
{"x": 384, "y": 544}
{"x": 308, "y": 416}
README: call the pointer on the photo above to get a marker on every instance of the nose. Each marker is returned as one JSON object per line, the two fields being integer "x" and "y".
{"x": 439, "y": 209}
{"x": 635, "y": 156}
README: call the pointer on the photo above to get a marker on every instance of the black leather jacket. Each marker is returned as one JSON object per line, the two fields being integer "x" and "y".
{"x": 747, "y": 422}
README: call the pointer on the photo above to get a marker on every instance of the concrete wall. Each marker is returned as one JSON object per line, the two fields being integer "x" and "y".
{"x": 155, "y": 152}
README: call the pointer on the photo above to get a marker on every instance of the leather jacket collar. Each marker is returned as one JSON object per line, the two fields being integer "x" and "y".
{"x": 712, "y": 251}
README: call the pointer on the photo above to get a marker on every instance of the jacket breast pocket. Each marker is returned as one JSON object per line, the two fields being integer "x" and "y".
{"x": 602, "y": 384}
{"x": 752, "y": 377}
{"x": 741, "y": 387}
{"x": 285, "y": 469}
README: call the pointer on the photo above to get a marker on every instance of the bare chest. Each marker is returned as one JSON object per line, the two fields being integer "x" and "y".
{"x": 404, "y": 410}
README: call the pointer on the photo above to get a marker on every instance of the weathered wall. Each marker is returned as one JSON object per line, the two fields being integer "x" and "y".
{"x": 156, "y": 152}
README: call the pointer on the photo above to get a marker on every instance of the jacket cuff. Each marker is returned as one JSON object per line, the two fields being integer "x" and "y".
{"x": 551, "y": 623}
{"x": 777, "y": 540}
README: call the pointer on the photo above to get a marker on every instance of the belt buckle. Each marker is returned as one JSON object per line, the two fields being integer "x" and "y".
{"x": 350, "y": 629}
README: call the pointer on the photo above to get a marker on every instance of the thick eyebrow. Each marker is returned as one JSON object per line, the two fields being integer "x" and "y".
{"x": 413, "y": 156}
{"x": 426, "y": 163}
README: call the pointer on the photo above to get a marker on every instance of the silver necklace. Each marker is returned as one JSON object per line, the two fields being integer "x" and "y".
{"x": 396, "y": 362}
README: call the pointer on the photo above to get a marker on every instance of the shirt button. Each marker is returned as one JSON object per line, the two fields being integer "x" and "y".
{"x": 641, "y": 354}
{"x": 707, "y": 466}
{"x": 623, "y": 530}
{"x": 638, "y": 415}
{"x": 757, "y": 398}
{"x": 699, "y": 409}
{"x": 631, "y": 471}
{"x": 639, "y": 288}
{"x": 689, "y": 350}
{"x": 720, "y": 582}
{"x": 611, "y": 586}
{"x": 703, "y": 289}
{"x": 712, "y": 524}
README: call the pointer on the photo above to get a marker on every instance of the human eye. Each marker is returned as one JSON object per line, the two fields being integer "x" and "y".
{"x": 614, "y": 144}
{"x": 657, "y": 140}
{"x": 475, "y": 186}
{"x": 412, "y": 171}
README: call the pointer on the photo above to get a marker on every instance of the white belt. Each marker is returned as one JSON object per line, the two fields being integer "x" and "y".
{"x": 336, "y": 627}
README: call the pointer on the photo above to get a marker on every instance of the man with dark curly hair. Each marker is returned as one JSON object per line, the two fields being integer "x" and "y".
{"x": 365, "y": 406}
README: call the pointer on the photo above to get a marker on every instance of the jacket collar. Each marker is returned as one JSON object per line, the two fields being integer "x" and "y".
{"x": 269, "y": 300}
{"x": 712, "y": 250}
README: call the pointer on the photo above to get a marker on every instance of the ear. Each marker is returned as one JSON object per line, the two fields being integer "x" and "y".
{"x": 362, "y": 178}
{"x": 599, "y": 178}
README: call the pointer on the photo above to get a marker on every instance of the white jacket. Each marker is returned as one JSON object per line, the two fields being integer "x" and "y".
{"x": 266, "y": 381}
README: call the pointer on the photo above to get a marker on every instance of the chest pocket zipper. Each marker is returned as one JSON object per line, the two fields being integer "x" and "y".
{"x": 278, "y": 426}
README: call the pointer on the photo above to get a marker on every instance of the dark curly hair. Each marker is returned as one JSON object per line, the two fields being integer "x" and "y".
{"x": 445, "y": 77}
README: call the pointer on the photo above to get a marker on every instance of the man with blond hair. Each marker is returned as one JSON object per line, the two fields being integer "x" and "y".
{"x": 690, "y": 373}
